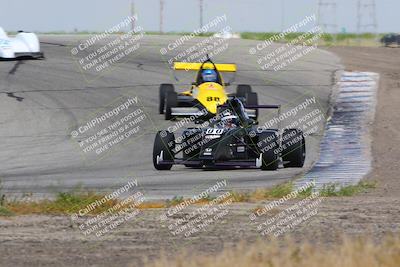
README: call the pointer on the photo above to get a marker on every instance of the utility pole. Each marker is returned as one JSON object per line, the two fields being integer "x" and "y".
{"x": 161, "y": 15}
{"x": 201, "y": 13}
{"x": 132, "y": 15}
{"x": 283, "y": 16}
{"x": 366, "y": 16}
{"x": 326, "y": 17}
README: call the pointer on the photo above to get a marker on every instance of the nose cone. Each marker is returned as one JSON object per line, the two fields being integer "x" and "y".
{"x": 211, "y": 95}
{"x": 6, "y": 51}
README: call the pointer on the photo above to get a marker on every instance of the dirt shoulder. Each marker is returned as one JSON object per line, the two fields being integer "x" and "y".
{"x": 57, "y": 241}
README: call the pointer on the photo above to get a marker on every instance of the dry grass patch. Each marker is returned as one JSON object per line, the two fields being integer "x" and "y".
{"x": 349, "y": 252}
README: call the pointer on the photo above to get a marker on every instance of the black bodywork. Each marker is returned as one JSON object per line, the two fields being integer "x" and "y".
{"x": 390, "y": 39}
{"x": 242, "y": 145}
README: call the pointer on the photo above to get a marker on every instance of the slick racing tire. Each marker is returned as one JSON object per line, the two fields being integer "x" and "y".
{"x": 294, "y": 148}
{"x": 163, "y": 143}
{"x": 269, "y": 143}
{"x": 252, "y": 100}
{"x": 171, "y": 101}
{"x": 242, "y": 90}
{"x": 164, "y": 88}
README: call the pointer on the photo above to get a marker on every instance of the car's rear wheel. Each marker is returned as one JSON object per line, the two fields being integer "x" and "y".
{"x": 268, "y": 144}
{"x": 242, "y": 90}
{"x": 164, "y": 88}
{"x": 294, "y": 152}
{"x": 164, "y": 145}
{"x": 171, "y": 102}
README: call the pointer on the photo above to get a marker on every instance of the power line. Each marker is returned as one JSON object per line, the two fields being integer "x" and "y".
{"x": 161, "y": 16}
{"x": 201, "y": 13}
{"x": 366, "y": 15}
{"x": 327, "y": 17}
{"x": 282, "y": 15}
{"x": 132, "y": 15}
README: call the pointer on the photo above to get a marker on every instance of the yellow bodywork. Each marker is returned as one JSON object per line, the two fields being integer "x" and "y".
{"x": 209, "y": 94}
{"x": 197, "y": 66}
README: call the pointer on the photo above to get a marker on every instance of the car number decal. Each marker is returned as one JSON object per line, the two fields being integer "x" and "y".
{"x": 214, "y": 131}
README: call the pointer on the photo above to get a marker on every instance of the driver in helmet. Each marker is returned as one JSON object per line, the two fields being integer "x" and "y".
{"x": 229, "y": 120}
{"x": 209, "y": 75}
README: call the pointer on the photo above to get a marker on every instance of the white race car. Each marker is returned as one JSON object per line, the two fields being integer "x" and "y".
{"x": 23, "y": 45}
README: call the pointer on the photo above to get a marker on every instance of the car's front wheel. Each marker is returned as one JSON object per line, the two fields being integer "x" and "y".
{"x": 294, "y": 153}
{"x": 163, "y": 150}
{"x": 268, "y": 144}
{"x": 164, "y": 89}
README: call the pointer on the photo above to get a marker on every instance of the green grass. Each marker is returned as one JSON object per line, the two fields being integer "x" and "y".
{"x": 306, "y": 193}
{"x": 334, "y": 190}
{"x": 64, "y": 203}
{"x": 175, "y": 201}
{"x": 5, "y": 212}
{"x": 287, "y": 38}
{"x": 205, "y": 34}
{"x": 277, "y": 191}
{"x": 281, "y": 190}
{"x": 72, "y": 202}
{"x": 365, "y": 39}
{"x": 327, "y": 39}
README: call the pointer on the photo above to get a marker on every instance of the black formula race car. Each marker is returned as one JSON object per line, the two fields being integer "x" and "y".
{"x": 231, "y": 139}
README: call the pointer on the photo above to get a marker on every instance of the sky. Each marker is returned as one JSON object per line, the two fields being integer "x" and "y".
{"x": 184, "y": 15}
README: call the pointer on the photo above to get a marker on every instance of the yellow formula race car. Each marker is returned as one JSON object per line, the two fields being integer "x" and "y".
{"x": 206, "y": 94}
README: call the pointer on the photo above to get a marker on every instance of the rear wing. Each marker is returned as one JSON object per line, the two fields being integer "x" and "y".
{"x": 222, "y": 67}
{"x": 263, "y": 106}
{"x": 251, "y": 108}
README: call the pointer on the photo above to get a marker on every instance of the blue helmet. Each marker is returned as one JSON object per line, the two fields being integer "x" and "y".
{"x": 209, "y": 75}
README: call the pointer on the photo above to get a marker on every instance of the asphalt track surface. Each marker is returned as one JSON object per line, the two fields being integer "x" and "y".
{"x": 42, "y": 101}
